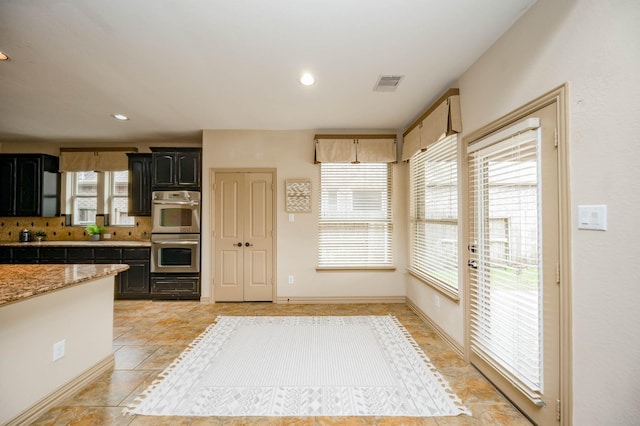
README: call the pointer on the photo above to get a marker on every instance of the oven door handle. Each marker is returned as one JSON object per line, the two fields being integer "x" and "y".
{"x": 180, "y": 203}
{"x": 193, "y": 243}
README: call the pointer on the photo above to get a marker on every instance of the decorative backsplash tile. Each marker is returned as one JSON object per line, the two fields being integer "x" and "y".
{"x": 56, "y": 229}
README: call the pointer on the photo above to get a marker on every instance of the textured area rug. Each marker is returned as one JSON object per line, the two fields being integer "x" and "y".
{"x": 301, "y": 366}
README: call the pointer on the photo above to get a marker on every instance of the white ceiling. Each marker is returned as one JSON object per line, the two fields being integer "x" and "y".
{"x": 179, "y": 66}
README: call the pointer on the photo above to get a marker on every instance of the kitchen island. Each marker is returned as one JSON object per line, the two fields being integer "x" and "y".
{"x": 56, "y": 331}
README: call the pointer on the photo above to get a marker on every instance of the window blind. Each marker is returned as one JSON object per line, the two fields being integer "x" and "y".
{"x": 433, "y": 180}
{"x": 355, "y": 225}
{"x": 505, "y": 289}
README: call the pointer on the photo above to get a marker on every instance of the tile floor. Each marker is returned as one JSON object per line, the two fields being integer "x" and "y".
{"x": 148, "y": 335}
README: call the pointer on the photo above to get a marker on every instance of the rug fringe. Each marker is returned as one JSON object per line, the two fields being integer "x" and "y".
{"x": 462, "y": 409}
{"x": 129, "y": 409}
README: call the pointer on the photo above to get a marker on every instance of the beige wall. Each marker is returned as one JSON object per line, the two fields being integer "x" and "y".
{"x": 592, "y": 45}
{"x": 291, "y": 153}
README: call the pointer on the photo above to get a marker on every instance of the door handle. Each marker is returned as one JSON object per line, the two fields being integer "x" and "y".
{"x": 248, "y": 244}
{"x": 239, "y": 244}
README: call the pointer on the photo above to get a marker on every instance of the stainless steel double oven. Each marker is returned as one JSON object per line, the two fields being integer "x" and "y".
{"x": 175, "y": 244}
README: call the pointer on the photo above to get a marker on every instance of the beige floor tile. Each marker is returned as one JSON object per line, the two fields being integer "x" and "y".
{"x": 129, "y": 357}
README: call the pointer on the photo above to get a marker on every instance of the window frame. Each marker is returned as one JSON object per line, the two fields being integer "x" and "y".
{"x": 351, "y": 219}
{"x": 104, "y": 196}
{"x": 417, "y": 247}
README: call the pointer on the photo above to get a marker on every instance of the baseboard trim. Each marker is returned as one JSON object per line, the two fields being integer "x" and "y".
{"x": 65, "y": 391}
{"x": 455, "y": 346}
{"x": 205, "y": 300}
{"x": 341, "y": 300}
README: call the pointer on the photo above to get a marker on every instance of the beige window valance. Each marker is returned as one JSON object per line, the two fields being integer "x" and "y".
{"x": 443, "y": 118}
{"x": 94, "y": 159}
{"x": 355, "y": 149}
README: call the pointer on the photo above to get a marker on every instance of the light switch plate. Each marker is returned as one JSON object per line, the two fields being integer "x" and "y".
{"x": 593, "y": 217}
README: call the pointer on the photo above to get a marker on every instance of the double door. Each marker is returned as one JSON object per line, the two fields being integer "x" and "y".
{"x": 243, "y": 237}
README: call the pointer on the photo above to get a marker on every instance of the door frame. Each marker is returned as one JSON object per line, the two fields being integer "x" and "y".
{"x": 212, "y": 210}
{"x": 559, "y": 95}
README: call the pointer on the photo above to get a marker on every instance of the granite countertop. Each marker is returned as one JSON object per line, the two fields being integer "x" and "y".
{"x": 80, "y": 243}
{"x": 19, "y": 282}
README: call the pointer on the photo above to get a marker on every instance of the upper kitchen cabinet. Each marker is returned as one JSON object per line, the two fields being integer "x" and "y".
{"x": 174, "y": 168}
{"x": 140, "y": 166}
{"x": 30, "y": 185}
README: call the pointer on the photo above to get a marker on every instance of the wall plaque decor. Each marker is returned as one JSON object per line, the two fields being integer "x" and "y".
{"x": 298, "y": 198}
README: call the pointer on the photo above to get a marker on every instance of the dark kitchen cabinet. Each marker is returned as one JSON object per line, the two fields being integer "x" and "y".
{"x": 172, "y": 286}
{"x": 30, "y": 185}
{"x": 140, "y": 171}
{"x": 176, "y": 168}
{"x": 134, "y": 283}
{"x": 53, "y": 255}
{"x": 79, "y": 255}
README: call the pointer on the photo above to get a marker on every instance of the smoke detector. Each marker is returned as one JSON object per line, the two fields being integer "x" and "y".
{"x": 387, "y": 83}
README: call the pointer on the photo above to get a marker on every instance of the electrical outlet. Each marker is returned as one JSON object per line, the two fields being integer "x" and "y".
{"x": 106, "y": 236}
{"x": 58, "y": 349}
{"x": 290, "y": 279}
{"x": 437, "y": 301}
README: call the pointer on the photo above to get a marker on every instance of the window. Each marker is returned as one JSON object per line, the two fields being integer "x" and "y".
{"x": 99, "y": 193}
{"x": 355, "y": 215}
{"x": 433, "y": 180}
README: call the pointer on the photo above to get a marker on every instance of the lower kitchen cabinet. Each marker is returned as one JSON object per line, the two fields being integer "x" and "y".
{"x": 134, "y": 283}
{"x": 175, "y": 286}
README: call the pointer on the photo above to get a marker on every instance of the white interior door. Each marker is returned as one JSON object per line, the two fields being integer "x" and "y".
{"x": 514, "y": 261}
{"x": 243, "y": 237}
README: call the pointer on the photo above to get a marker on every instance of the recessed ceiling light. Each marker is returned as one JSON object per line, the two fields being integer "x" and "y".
{"x": 4, "y": 56}
{"x": 307, "y": 79}
{"x": 120, "y": 117}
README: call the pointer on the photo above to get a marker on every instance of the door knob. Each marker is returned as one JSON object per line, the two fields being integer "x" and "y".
{"x": 248, "y": 244}
{"x": 239, "y": 244}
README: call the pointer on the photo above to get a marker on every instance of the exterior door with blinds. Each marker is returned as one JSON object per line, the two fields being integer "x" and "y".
{"x": 513, "y": 262}
{"x": 243, "y": 255}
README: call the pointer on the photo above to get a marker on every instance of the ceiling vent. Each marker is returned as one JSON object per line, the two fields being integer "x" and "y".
{"x": 387, "y": 83}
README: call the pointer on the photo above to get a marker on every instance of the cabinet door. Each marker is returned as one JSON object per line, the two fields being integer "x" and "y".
{"x": 25, "y": 255}
{"x": 8, "y": 186}
{"x": 135, "y": 281}
{"x": 140, "y": 185}
{"x": 107, "y": 255}
{"x": 5, "y": 255}
{"x": 53, "y": 255}
{"x": 175, "y": 287}
{"x": 81, "y": 255}
{"x": 29, "y": 191}
{"x": 188, "y": 169}
{"x": 163, "y": 169}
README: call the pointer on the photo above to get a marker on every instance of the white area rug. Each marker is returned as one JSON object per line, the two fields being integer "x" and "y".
{"x": 301, "y": 366}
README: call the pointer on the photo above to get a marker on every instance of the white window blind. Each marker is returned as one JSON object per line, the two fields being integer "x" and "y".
{"x": 506, "y": 294}
{"x": 355, "y": 224}
{"x": 433, "y": 180}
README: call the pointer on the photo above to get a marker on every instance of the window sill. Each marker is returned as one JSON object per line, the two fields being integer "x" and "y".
{"x": 355, "y": 268}
{"x": 448, "y": 293}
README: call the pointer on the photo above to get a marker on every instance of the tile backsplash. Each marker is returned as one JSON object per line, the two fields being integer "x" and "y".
{"x": 56, "y": 230}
